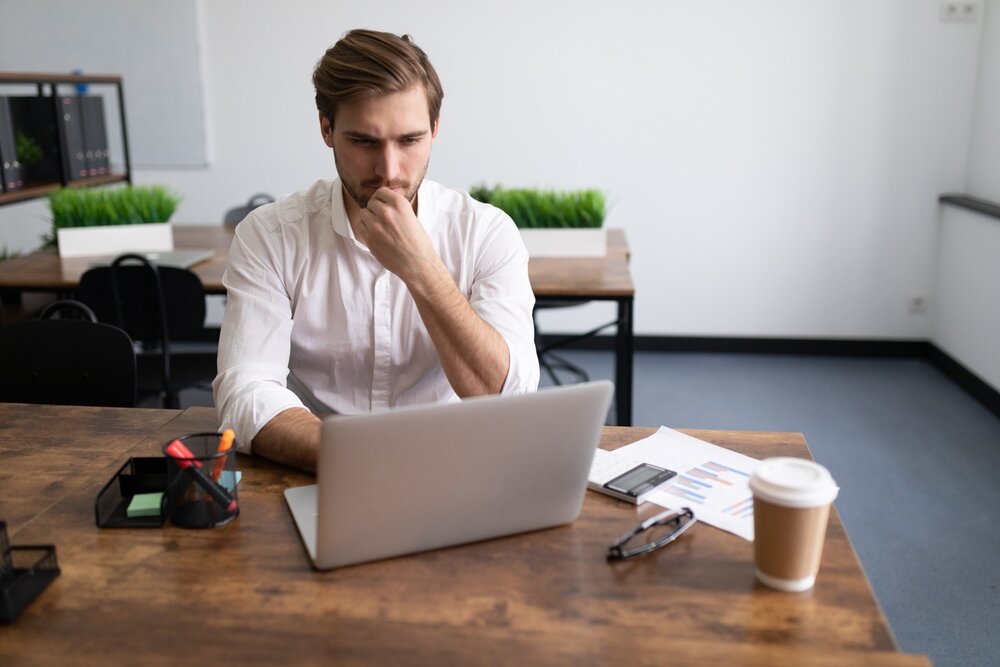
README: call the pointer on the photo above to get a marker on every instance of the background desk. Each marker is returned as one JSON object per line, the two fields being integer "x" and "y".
{"x": 246, "y": 594}
{"x": 565, "y": 279}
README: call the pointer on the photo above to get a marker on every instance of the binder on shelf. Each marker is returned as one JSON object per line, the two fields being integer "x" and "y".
{"x": 59, "y": 136}
{"x": 10, "y": 167}
{"x": 74, "y": 144}
{"x": 47, "y": 160}
{"x": 95, "y": 135}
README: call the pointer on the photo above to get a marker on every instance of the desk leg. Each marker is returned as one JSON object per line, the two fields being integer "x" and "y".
{"x": 624, "y": 349}
{"x": 17, "y": 305}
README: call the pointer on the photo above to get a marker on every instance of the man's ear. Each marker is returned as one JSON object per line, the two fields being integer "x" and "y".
{"x": 326, "y": 129}
{"x": 434, "y": 130}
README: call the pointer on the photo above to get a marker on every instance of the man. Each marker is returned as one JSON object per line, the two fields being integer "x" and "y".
{"x": 377, "y": 289}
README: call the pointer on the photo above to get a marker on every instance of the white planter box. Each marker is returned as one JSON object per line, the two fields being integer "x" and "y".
{"x": 115, "y": 239}
{"x": 565, "y": 242}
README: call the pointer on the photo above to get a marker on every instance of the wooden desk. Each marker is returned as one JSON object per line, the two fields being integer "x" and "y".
{"x": 562, "y": 279}
{"x": 246, "y": 593}
{"x": 44, "y": 270}
{"x": 607, "y": 278}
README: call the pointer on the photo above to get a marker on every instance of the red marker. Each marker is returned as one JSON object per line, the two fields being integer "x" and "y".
{"x": 186, "y": 460}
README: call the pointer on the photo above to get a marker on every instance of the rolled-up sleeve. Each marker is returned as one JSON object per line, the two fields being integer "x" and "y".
{"x": 501, "y": 294}
{"x": 251, "y": 386}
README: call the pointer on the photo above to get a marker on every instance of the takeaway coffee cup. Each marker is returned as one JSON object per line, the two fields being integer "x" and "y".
{"x": 791, "y": 505}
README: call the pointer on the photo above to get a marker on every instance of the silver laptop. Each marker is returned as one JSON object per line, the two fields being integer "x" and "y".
{"x": 425, "y": 477}
{"x": 181, "y": 259}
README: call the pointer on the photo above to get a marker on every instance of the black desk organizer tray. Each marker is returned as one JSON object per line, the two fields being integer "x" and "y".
{"x": 138, "y": 475}
{"x": 24, "y": 573}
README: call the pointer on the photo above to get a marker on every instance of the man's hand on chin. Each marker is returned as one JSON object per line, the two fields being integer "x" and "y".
{"x": 391, "y": 230}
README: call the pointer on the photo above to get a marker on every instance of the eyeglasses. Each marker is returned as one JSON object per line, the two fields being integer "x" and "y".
{"x": 654, "y": 533}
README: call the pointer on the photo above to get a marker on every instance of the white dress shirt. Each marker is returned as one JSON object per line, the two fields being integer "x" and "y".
{"x": 313, "y": 320}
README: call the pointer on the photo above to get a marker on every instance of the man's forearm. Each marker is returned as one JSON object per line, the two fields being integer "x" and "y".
{"x": 475, "y": 358}
{"x": 473, "y": 355}
{"x": 291, "y": 438}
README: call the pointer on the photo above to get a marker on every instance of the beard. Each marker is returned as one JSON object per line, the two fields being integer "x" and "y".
{"x": 362, "y": 191}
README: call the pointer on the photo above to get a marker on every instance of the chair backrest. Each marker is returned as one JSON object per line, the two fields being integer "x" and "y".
{"x": 67, "y": 362}
{"x": 153, "y": 304}
{"x": 67, "y": 309}
{"x": 235, "y": 215}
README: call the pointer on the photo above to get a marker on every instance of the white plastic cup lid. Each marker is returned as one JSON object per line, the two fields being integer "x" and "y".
{"x": 792, "y": 482}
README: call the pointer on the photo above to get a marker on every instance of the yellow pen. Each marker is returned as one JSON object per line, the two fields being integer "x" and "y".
{"x": 225, "y": 442}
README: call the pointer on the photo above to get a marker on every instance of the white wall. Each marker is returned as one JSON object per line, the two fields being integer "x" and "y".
{"x": 775, "y": 163}
{"x": 967, "y": 292}
{"x": 153, "y": 45}
{"x": 984, "y": 147}
{"x": 966, "y": 302}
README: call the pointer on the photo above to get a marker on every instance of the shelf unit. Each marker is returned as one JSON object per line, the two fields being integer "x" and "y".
{"x": 46, "y": 85}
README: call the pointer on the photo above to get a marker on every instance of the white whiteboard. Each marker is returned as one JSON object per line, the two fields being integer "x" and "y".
{"x": 152, "y": 44}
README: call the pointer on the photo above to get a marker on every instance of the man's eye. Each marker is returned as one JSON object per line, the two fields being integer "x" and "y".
{"x": 363, "y": 142}
{"x": 410, "y": 141}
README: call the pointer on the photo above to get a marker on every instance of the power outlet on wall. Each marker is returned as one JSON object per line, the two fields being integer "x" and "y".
{"x": 918, "y": 304}
{"x": 960, "y": 12}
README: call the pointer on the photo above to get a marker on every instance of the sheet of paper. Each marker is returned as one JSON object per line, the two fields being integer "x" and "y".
{"x": 711, "y": 480}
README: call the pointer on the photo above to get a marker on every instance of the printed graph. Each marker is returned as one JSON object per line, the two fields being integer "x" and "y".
{"x": 740, "y": 510}
{"x": 711, "y": 480}
{"x": 707, "y": 482}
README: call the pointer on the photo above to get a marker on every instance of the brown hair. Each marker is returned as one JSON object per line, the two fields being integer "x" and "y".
{"x": 366, "y": 62}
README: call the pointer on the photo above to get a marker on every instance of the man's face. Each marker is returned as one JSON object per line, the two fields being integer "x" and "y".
{"x": 381, "y": 141}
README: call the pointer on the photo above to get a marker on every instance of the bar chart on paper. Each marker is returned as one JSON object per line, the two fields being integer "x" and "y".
{"x": 711, "y": 480}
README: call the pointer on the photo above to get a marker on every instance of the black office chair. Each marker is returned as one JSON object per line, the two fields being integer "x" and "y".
{"x": 235, "y": 215}
{"x": 67, "y": 309}
{"x": 163, "y": 309}
{"x": 548, "y": 360}
{"x": 67, "y": 358}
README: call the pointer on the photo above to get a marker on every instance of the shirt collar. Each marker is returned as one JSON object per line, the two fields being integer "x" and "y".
{"x": 339, "y": 213}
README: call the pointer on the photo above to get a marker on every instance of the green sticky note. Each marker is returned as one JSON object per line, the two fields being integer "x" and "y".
{"x": 144, "y": 504}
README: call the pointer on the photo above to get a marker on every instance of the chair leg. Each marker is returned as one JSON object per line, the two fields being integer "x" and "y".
{"x": 544, "y": 363}
{"x": 171, "y": 400}
{"x": 553, "y": 362}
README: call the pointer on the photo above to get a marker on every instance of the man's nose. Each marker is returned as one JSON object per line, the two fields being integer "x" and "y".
{"x": 387, "y": 164}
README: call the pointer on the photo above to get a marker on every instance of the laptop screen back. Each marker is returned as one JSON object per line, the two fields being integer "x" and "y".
{"x": 425, "y": 477}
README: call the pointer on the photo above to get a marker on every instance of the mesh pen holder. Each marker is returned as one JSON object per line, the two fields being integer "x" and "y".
{"x": 201, "y": 482}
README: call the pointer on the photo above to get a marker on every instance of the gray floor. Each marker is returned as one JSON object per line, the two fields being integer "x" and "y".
{"x": 914, "y": 456}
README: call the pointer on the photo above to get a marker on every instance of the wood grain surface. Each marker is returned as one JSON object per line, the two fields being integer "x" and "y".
{"x": 246, "y": 594}
{"x": 45, "y": 270}
{"x": 585, "y": 277}
{"x": 605, "y": 277}
{"x": 43, "y": 455}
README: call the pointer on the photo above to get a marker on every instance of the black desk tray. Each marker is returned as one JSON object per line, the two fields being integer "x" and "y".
{"x": 138, "y": 475}
{"x": 24, "y": 573}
